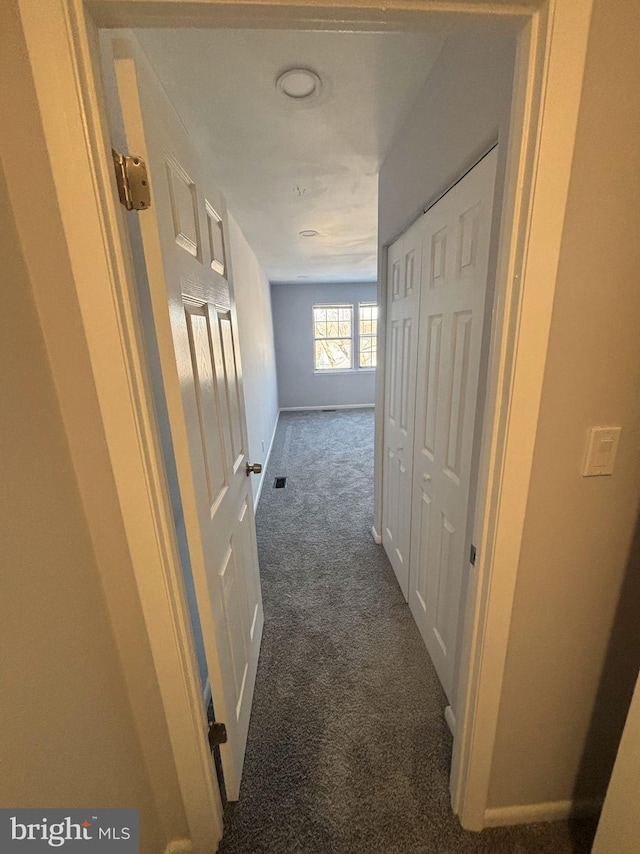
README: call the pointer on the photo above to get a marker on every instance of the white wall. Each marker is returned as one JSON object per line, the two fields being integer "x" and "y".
{"x": 70, "y": 690}
{"x": 298, "y": 384}
{"x": 574, "y": 645}
{"x": 257, "y": 353}
{"x": 573, "y": 648}
{"x": 457, "y": 115}
{"x": 461, "y": 110}
{"x": 65, "y": 701}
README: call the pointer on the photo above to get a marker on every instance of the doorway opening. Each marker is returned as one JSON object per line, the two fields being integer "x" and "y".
{"x": 529, "y": 75}
{"x": 321, "y": 326}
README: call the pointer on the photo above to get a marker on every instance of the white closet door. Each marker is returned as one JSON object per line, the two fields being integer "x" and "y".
{"x": 402, "y": 347}
{"x": 455, "y": 241}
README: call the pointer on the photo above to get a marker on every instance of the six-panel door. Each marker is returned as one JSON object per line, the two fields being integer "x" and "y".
{"x": 186, "y": 262}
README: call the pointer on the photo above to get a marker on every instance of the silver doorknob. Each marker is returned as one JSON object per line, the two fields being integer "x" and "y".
{"x": 256, "y": 468}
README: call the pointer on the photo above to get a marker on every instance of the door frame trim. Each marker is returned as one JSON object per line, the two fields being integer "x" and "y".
{"x": 60, "y": 38}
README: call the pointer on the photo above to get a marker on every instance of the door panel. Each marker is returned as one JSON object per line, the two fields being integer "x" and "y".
{"x": 461, "y": 334}
{"x": 250, "y": 558}
{"x": 432, "y": 373}
{"x": 235, "y": 619}
{"x": 213, "y": 452}
{"x": 232, "y": 388}
{"x": 392, "y": 398}
{"x": 190, "y": 285}
{"x": 406, "y": 388}
{"x": 424, "y": 534}
{"x": 455, "y": 244}
{"x": 404, "y": 264}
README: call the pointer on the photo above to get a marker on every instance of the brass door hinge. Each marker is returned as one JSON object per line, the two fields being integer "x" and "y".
{"x": 132, "y": 181}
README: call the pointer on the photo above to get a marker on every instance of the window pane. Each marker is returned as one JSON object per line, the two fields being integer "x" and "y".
{"x": 333, "y": 329}
{"x": 368, "y": 352}
{"x": 368, "y": 328}
{"x": 366, "y": 361}
{"x": 333, "y": 355}
{"x": 332, "y": 332}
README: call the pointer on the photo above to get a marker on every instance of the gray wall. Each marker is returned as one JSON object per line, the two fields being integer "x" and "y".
{"x": 298, "y": 385}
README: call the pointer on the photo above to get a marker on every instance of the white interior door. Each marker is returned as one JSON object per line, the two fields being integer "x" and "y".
{"x": 186, "y": 261}
{"x": 455, "y": 253}
{"x": 403, "y": 297}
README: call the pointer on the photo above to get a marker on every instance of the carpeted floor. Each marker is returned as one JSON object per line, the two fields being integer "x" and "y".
{"x": 348, "y": 749}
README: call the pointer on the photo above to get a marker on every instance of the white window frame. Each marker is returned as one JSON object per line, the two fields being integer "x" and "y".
{"x": 373, "y": 335}
{"x": 351, "y": 337}
{"x": 354, "y": 337}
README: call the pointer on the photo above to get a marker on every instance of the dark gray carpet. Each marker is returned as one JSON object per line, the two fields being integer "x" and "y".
{"x": 348, "y": 749}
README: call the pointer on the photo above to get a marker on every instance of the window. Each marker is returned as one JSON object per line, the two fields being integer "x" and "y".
{"x": 334, "y": 340}
{"x": 333, "y": 337}
{"x": 367, "y": 334}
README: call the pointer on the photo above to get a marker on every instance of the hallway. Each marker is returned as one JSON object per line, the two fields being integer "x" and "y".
{"x": 348, "y": 749}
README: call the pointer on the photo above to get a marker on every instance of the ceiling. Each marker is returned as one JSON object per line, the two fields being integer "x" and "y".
{"x": 287, "y": 166}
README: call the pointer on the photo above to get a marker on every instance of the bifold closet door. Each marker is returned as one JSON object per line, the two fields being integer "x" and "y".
{"x": 456, "y": 235}
{"x": 403, "y": 297}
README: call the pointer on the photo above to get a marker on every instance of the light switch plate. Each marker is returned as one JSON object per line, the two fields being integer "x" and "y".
{"x": 602, "y": 447}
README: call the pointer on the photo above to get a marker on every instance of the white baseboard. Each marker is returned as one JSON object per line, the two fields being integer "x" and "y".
{"x": 450, "y": 718}
{"x": 531, "y": 813}
{"x": 179, "y": 846}
{"x": 376, "y": 536}
{"x": 266, "y": 460}
{"x": 327, "y": 406}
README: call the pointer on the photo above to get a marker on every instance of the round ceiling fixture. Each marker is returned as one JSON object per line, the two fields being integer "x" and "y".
{"x": 308, "y": 232}
{"x": 299, "y": 84}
